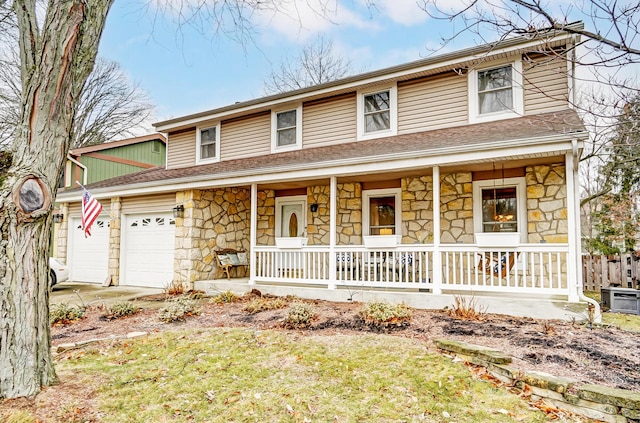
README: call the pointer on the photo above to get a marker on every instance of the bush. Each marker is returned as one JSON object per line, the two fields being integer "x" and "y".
{"x": 64, "y": 314}
{"x": 225, "y": 297}
{"x": 467, "y": 308}
{"x": 122, "y": 309}
{"x": 178, "y": 308}
{"x": 258, "y": 304}
{"x": 299, "y": 315}
{"x": 175, "y": 288}
{"x": 383, "y": 314}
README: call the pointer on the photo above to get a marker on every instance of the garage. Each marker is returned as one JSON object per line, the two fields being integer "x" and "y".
{"x": 89, "y": 255}
{"x": 148, "y": 249}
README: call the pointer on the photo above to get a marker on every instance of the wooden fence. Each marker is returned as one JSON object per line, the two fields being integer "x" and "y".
{"x": 604, "y": 271}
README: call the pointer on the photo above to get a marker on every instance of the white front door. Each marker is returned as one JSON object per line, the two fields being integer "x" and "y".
{"x": 149, "y": 245}
{"x": 291, "y": 217}
{"x": 89, "y": 256}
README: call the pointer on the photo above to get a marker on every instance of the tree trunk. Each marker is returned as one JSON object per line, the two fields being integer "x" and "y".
{"x": 56, "y": 60}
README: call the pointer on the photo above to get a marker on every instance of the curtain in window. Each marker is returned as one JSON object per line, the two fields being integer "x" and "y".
{"x": 495, "y": 90}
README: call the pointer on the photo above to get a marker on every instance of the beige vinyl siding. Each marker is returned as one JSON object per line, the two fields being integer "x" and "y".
{"x": 148, "y": 203}
{"x": 545, "y": 84}
{"x": 75, "y": 209}
{"x": 432, "y": 103}
{"x": 181, "y": 150}
{"x": 329, "y": 122}
{"x": 246, "y": 137}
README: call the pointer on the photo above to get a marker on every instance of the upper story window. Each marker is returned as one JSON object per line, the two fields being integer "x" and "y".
{"x": 286, "y": 131}
{"x": 496, "y": 93}
{"x": 377, "y": 113}
{"x": 208, "y": 144}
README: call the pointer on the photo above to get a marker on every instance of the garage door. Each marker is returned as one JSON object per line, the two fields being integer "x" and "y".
{"x": 89, "y": 255}
{"x": 149, "y": 244}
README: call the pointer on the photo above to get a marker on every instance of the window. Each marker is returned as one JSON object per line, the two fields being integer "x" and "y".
{"x": 208, "y": 146}
{"x": 286, "y": 130}
{"x": 499, "y": 205}
{"x": 377, "y": 113}
{"x": 496, "y": 93}
{"x": 381, "y": 211}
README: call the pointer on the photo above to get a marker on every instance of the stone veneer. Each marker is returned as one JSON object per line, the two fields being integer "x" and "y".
{"x": 349, "y": 214}
{"x": 417, "y": 210}
{"x": 547, "y": 203}
{"x": 114, "y": 240}
{"x": 319, "y": 222}
{"x": 266, "y": 231}
{"x": 456, "y": 208}
{"x": 62, "y": 234}
{"x": 213, "y": 220}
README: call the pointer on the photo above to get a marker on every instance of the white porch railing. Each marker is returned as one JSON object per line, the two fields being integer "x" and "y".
{"x": 530, "y": 268}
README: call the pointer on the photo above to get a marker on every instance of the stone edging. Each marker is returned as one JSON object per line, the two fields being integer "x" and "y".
{"x": 592, "y": 401}
{"x": 73, "y": 345}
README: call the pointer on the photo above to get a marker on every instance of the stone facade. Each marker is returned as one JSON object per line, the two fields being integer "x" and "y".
{"x": 62, "y": 234}
{"x": 266, "y": 230}
{"x": 349, "y": 214}
{"x": 456, "y": 208}
{"x": 547, "y": 204}
{"x": 318, "y": 222}
{"x": 213, "y": 219}
{"x": 114, "y": 240}
{"x": 417, "y": 210}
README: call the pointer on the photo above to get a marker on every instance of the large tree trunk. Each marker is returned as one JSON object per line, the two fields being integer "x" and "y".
{"x": 56, "y": 61}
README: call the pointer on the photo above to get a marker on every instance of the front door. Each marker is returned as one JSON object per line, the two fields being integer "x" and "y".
{"x": 291, "y": 217}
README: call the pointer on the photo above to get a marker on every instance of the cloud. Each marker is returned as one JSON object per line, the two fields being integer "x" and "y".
{"x": 404, "y": 12}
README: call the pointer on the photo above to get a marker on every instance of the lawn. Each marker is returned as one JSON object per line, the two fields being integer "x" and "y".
{"x": 244, "y": 375}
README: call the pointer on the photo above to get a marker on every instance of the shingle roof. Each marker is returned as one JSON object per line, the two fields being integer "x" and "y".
{"x": 467, "y": 137}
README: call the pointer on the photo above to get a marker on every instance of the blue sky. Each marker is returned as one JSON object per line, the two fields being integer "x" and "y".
{"x": 185, "y": 72}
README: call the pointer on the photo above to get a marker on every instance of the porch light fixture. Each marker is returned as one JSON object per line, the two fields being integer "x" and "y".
{"x": 57, "y": 218}
{"x": 178, "y": 211}
{"x": 313, "y": 207}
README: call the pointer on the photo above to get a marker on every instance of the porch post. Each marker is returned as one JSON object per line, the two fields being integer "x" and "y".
{"x": 437, "y": 257}
{"x": 253, "y": 234}
{"x": 573, "y": 223}
{"x": 333, "y": 211}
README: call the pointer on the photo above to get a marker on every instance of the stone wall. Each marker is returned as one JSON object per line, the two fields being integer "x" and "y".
{"x": 456, "y": 208}
{"x": 417, "y": 210}
{"x": 213, "y": 220}
{"x": 62, "y": 234}
{"x": 349, "y": 214}
{"x": 114, "y": 240}
{"x": 266, "y": 230}
{"x": 547, "y": 204}
{"x": 318, "y": 222}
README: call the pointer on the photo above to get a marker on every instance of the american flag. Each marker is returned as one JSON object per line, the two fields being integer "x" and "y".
{"x": 91, "y": 208}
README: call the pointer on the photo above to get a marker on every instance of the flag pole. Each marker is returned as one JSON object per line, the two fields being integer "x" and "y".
{"x": 81, "y": 186}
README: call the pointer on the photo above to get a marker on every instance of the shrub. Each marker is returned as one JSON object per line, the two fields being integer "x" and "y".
{"x": 383, "y": 314}
{"x": 258, "y": 304}
{"x": 174, "y": 288}
{"x": 122, "y": 309}
{"x": 64, "y": 314}
{"x": 178, "y": 308}
{"x": 299, "y": 315}
{"x": 225, "y": 297}
{"x": 467, "y": 308}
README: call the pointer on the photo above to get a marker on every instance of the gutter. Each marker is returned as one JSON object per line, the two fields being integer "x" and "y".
{"x": 249, "y": 176}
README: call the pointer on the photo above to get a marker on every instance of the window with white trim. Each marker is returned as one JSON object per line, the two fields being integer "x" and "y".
{"x": 378, "y": 113}
{"x": 382, "y": 213}
{"x": 208, "y": 144}
{"x": 286, "y": 133}
{"x": 496, "y": 93}
{"x": 499, "y": 205}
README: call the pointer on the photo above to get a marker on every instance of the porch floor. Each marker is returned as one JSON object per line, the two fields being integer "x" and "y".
{"x": 539, "y": 307}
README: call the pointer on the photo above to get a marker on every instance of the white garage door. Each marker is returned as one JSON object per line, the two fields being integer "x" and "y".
{"x": 89, "y": 255}
{"x": 149, "y": 244}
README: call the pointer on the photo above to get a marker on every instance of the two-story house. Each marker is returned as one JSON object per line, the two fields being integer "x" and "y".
{"x": 454, "y": 174}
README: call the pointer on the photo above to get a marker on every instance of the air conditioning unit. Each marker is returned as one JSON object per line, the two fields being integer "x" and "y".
{"x": 621, "y": 300}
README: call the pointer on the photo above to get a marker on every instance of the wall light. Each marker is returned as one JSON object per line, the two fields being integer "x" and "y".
{"x": 178, "y": 211}
{"x": 57, "y": 218}
{"x": 313, "y": 207}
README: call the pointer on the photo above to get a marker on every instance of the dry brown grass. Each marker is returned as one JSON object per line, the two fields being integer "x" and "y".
{"x": 467, "y": 308}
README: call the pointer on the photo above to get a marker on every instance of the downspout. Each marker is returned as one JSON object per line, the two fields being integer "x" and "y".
{"x": 77, "y": 163}
{"x": 597, "y": 312}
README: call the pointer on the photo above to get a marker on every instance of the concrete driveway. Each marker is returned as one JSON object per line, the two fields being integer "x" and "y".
{"x": 90, "y": 294}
